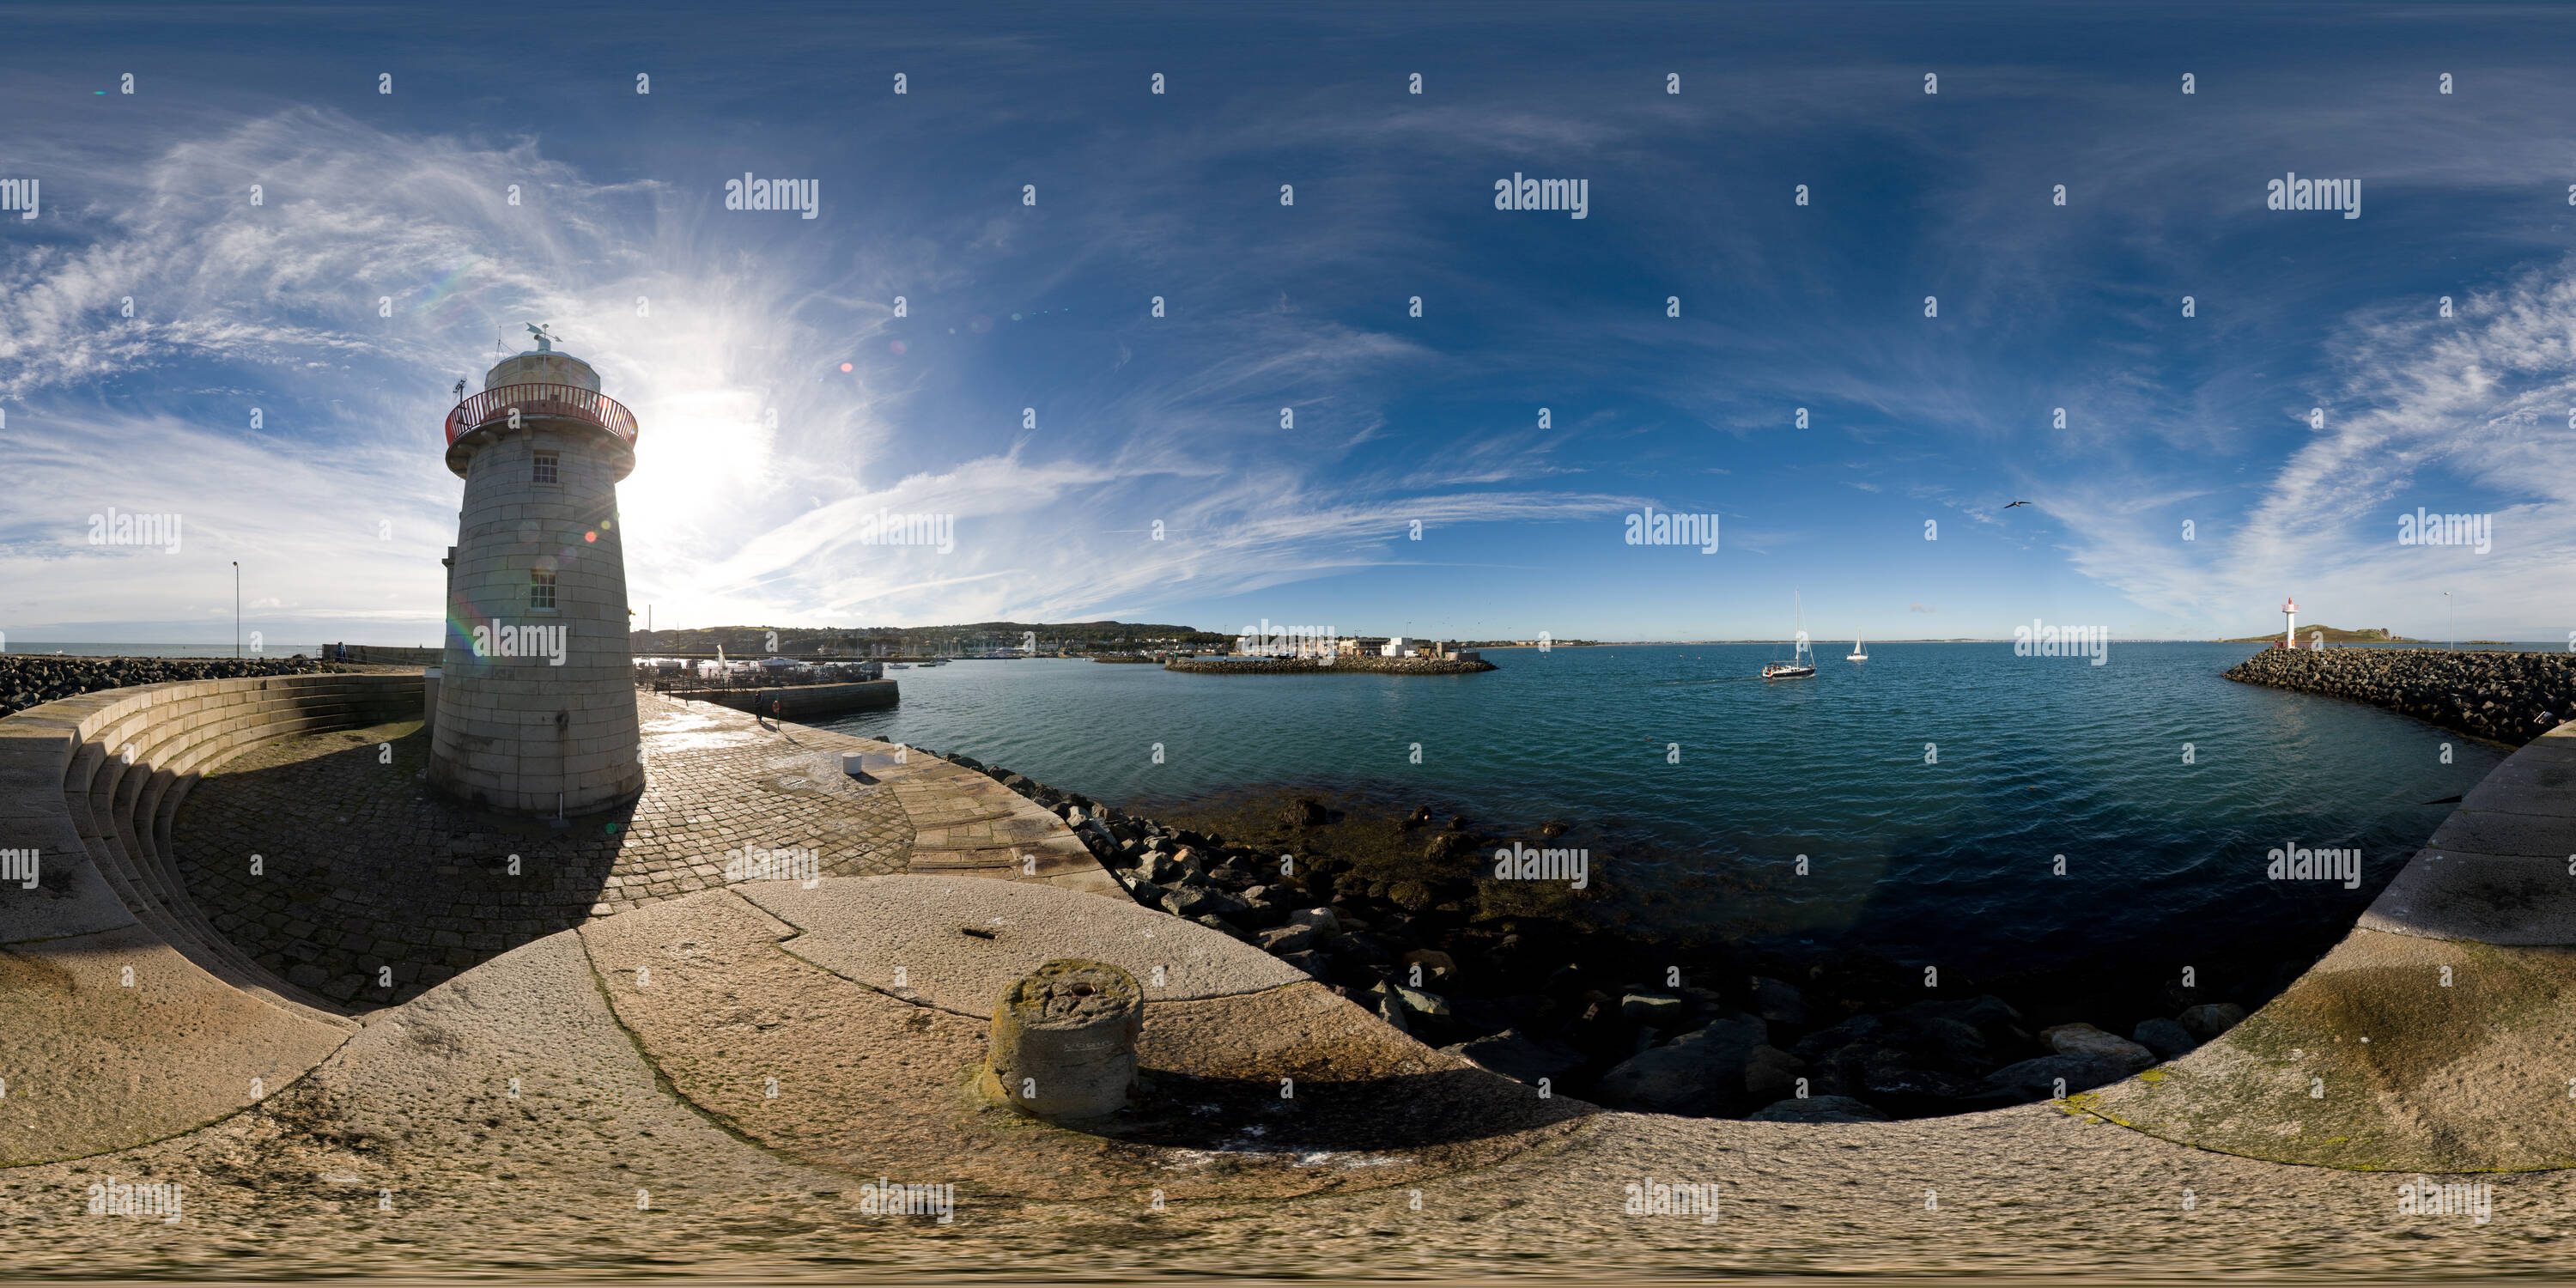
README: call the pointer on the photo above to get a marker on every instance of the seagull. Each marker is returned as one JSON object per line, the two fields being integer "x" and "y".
{"x": 2017, "y": 503}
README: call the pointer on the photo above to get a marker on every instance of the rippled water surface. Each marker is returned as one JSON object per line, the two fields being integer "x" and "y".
{"x": 1931, "y": 788}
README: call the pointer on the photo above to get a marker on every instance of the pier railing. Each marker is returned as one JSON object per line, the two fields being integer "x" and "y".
{"x": 566, "y": 402}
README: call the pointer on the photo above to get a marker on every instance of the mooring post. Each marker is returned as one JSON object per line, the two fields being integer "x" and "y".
{"x": 1064, "y": 1041}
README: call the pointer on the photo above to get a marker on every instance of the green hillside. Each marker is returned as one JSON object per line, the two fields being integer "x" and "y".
{"x": 2333, "y": 634}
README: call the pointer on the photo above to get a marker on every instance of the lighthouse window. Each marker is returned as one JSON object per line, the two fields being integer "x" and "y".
{"x": 541, "y": 589}
{"x": 546, "y": 467}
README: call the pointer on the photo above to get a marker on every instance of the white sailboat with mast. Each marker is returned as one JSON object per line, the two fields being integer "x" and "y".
{"x": 1803, "y": 662}
{"x": 1858, "y": 654}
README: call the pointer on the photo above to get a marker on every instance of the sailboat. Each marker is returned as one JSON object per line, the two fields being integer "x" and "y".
{"x": 1858, "y": 654}
{"x": 1803, "y": 662}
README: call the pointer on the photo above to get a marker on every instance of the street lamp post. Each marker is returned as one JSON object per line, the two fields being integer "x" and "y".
{"x": 236, "y": 610}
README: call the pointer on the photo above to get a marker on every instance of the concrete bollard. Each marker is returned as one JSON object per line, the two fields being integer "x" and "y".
{"x": 429, "y": 701}
{"x": 1064, "y": 1041}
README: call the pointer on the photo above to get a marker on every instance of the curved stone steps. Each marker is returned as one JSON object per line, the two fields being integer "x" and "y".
{"x": 111, "y": 978}
{"x": 168, "y": 748}
{"x": 104, "y": 791}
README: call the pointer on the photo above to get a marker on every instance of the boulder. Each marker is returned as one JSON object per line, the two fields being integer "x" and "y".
{"x": 1288, "y": 939}
{"x": 1770, "y": 1072}
{"x": 1316, "y": 965}
{"x": 1452, "y": 850}
{"x": 1693, "y": 1072}
{"x": 1779, "y": 1003}
{"x": 1879, "y": 1052}
{"x": 1222, "y": 926}
{"x": 1896, "y": 1073}
{"x": 1195, "y": 902}
{"x": 1994, "y": 1019}
{"x": 1422, "y": 1002}
{"x": 1652, "y": 1008}
{"x": 1325, "y": 924}
{"x": 1518, "y": 1056}
{"x": 1819, "y": 1109}
{"x": 1365, "y": 947}
{"x": 2210, "y": 1019}
{"x": 1824, "y": 1041}
{"x": 1159, "y": 868}
{"x": 2170, "y": 1041}
{"x": 1392, "y": 1011}
{"x": 1437, "y": 966}
{"x": 2086, "y": 1040}
{"x": 1305, "y": 811}
{"x": 2037, "y": 1079}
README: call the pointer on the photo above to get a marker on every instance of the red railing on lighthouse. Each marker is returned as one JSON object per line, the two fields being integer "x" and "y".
{"x": 567, "y": 402}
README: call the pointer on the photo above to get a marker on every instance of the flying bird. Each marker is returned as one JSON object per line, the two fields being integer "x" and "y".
{"x": 2017, "y": 503}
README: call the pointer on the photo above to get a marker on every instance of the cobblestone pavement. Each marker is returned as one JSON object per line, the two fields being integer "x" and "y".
{"x": 363, "y": 876}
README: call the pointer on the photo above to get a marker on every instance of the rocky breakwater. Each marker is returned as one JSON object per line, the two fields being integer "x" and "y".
{"x": 1407, "y": 919}
{"x": 1316, "y": 666}
{"x": 28, "y": 679}
{"x": 2510, "y": 698}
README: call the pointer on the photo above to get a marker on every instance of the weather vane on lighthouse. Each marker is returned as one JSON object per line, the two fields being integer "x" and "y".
{"x": 545, "y": 336}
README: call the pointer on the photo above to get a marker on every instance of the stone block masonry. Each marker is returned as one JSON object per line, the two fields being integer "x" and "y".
{"x": 534, "y": 709}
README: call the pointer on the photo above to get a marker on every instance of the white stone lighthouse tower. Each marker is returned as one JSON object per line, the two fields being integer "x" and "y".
{"x": 536, "y": 701}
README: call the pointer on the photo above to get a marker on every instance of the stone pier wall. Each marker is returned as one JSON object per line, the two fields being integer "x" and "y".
{"x": 799, "y": 701}
{"x": 2507, "y": 697}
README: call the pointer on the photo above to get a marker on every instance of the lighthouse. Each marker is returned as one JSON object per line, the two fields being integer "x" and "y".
{"x": 536, "y": 700}
{"x": 2290, "y": 622}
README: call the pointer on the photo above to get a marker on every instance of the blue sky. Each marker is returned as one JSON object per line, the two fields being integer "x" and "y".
{"x": 338, "y": 506}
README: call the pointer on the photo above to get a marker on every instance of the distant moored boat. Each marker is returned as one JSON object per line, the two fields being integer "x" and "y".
{"x": 1801, "y": 663}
